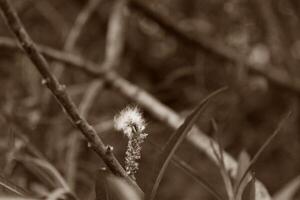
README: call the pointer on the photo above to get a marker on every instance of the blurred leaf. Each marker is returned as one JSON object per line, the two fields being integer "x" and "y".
{"x": 249, "y": 191}
{"x": 111, "y": 187}
{"x": 101, "y": 185}
{"x": 243, "y": 163}
{"x": 252, "y": 195}
{"x": 172, "y": 145}
{"x": 288, "y": 191}
{"x": 57, "y": 194}
{"x": 122, "y": 189}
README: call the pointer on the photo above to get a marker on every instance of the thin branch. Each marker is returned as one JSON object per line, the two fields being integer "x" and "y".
{"x": 72, "y": 38}
{"x": 113, "y": 52}
{"x": 58, "y": 90}
{"x": 76, "y": 30}
{"x": 79, "y": 23}
{"x": 196, "y": 137}
{"x": 275, "y": 77}
{"x": 272, "y": 29}
{"x": 115, "y": 35}
{"x": 171, "y": 27}
{"x": 51, "y": 14}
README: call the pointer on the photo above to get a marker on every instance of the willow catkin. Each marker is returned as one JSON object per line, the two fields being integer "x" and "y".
{"x": 131, "y": 122}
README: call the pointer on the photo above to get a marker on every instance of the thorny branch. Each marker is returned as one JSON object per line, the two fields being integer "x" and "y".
{"x": 58, "y": 90}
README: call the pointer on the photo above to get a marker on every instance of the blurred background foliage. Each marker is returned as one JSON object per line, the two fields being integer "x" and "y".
{"x": 175, "y": 73}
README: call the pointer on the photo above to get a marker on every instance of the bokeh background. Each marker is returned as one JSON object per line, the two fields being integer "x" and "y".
{"x": 175, "y": 72}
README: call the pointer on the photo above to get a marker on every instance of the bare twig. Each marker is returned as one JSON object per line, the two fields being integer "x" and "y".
{"x": 58, "y": 90}
{"x": 159, "y": 110}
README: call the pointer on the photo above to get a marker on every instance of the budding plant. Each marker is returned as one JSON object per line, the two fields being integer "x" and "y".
{"x": 131, "y": 122}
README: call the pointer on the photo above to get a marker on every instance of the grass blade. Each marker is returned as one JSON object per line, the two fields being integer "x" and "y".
{"x": 173, "y": 143}
{"x": 12, "y": 187}
{"x": 220, "y": 158}
{"x": 263, "y": 147}
{"x": 190, "y": 171}
{"x": 47, "y": 167}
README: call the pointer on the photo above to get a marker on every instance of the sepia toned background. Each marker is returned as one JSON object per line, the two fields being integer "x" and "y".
{"x": 166, "y": 55}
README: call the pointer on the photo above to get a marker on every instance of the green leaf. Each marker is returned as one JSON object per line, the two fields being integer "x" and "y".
{"x": 288, "y": 191}
{"x": 172, "y": 145}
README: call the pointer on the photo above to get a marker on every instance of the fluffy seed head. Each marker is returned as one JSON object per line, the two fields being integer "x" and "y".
{"x": 130, "y": 121}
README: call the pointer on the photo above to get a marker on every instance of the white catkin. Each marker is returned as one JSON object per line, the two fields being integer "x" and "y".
{"x": 131, "y": 122}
